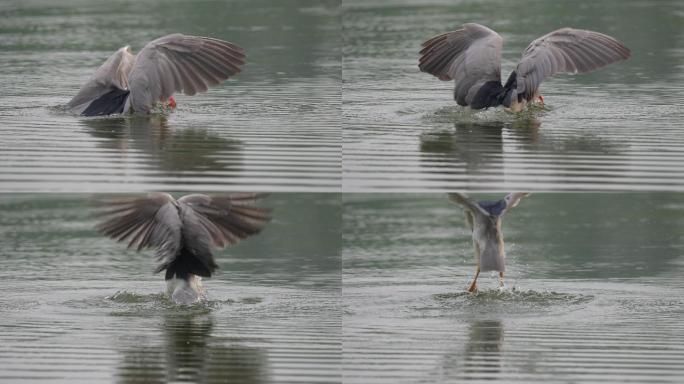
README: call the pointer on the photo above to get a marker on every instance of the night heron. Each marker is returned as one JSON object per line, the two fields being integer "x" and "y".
{"x": 484, "y": 220}
{"x": 472, "y": 57}
{"x": 128, "y": 83}
{"x": 183, "y": 232}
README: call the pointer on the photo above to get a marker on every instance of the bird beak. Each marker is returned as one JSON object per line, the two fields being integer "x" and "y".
{"x": 172, "y": 102}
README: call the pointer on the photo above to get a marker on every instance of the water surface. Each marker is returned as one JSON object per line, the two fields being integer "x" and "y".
{"x": 594, "y": 291}
{"x": 275, "y": 126}
{"x": 615, "y": 129}
{"x": 78, "y": 307}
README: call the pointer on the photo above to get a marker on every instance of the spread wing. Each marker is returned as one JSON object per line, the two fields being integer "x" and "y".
{"x": 512, "y": 200}
{"x": 467, "y": 203}
{"x": 112, "y": 75}
{"x": 225, "y": 219}
{"x": 177, "y": 63}
{"x": 471, "y": 56}
{"x": 566, "y": 50}
{"x": 150, "y": 221}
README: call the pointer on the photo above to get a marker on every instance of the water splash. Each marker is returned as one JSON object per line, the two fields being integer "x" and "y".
{"x": 515, "y": 294}
{"x": 135, "y": 303}
{"x": 512, "y": 300}
{"x": 126, "y": 297}
{"x": 455, "y": 113}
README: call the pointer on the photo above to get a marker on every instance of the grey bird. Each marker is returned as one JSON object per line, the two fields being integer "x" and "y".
{"x": 484, "y": 220}
{"x": 471, "y": 56}
{"x": 128, "y": 83}
{"x": 183, "y": 231}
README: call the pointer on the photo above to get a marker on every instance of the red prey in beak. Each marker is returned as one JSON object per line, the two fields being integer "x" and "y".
{"x": 172, "y": 102}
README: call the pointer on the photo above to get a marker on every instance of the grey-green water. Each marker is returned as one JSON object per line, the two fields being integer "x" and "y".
{"x": 594, "y": 291}
{"x": 619, "y": 128}
{"x": 78, "y": 307}
{"x": 273, "y": 127}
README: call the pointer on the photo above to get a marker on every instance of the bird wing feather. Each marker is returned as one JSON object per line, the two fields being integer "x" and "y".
{"x": 176, "y": 63}
{"x": 467, "y": 203}
{"x": 148, "y": 222}
{"x": 512, "y": 200}
{"x": 112, "y": 74}
{"x": 565, "y": 50}
{"x": 471, "y": 56}
{"x": 227, "y": 219}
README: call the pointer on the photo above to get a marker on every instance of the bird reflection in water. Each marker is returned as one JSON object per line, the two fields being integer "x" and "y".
{"x": 168, "y": 149}
{"x": 191, "y": 353}
{"x": 483, "y": 351}
{"x": 476, "y": 145}
{"x": 481, "y": 357}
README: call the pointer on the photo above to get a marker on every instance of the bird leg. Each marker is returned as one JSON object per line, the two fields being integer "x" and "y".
{"x": 473, "y": 285}
{"x": 501, "y": 279}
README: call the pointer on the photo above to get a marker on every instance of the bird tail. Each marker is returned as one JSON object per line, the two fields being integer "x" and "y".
{"x": 187, "y": 263}
{"x": 107, "y": 104}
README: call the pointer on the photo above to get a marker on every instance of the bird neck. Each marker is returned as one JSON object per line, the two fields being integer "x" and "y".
{"x": 187, "y": 290}
{"x": 509, "y": 94}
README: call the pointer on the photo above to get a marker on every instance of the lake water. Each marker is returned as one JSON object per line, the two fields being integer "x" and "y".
{"x": 593, "y": 294}
{"x": 273, "y": 127}
{"x": 619, "y": 128}
{"x": 366, "y": 286}
{"x": 78, "y": 307}
{"x": 594, "y": 291}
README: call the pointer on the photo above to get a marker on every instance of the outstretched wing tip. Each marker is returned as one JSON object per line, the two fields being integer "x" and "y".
{"x": 136, "y": 219}
{"x": 566, "y": 50}
{"x": 182, "y": 63}
{"x": 230, "y": 218}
